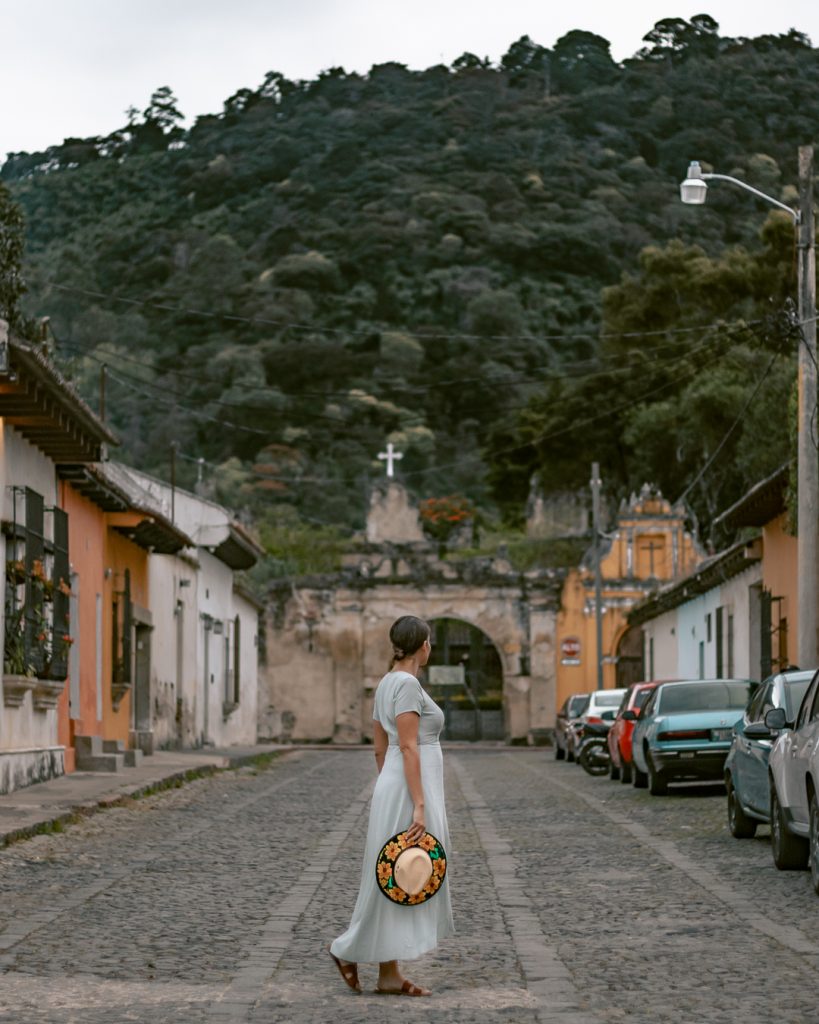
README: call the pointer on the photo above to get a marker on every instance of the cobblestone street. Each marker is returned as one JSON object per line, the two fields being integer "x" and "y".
{"x": 577, "y": 900}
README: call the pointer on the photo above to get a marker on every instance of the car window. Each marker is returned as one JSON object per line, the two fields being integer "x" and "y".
{"x": 624, "y": 702}
{"x": 761, "y": 702}
{"x": 806, "y": 705}
{"x": 752, "y": 712}
{"x": 649, "y": 705}
{"x": 640, "y": 697}
{"x": 814, "y": 710}
{"x": 723, "y": 695}
{"x": 795, "y": 690}
{"x": 578, "y": 706}
{"x": 607, "y": 700}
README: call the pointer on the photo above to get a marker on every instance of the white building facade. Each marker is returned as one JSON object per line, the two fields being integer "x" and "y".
{"x": 707, "y": 625}
{"x": 205, "y": 644}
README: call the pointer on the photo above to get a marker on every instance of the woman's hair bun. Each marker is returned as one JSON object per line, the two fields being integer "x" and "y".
{"x": 407, "y": 635}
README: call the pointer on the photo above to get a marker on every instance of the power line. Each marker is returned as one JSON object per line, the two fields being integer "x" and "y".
{"x": 349, "y": 396}
{"x": 368, "y": 332}
{"x": 731, "y": 429}
{"x": 95, "y": 352}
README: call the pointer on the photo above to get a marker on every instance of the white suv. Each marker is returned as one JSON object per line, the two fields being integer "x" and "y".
{"x": 794, "y": 779}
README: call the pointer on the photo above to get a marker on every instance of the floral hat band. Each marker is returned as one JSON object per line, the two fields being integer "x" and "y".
{"x": 410, "y": 873}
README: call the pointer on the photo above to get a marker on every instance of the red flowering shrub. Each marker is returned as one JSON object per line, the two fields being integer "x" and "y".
{"x": 441, "y": 517}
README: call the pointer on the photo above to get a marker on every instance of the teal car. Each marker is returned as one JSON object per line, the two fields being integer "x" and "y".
{"x": 685, "y": 730}
{"x": 747, "y": 780}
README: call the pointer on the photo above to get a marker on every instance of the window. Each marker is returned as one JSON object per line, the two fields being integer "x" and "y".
{"x": 237, "y": 658}
{"x": 708, "y": 628}
{"x": 651, "y": 657}
{"x": 723, "y": 696}
{"x": 122, "y": 630}
{"x": 37, "y": 639}
{"x": 719, "y": 616}
{"x": 702, "y": 659}
{"x": 729, "y": 643}
{"x": 814, "y": 710}
{"x": 807, "y": 702}
{"x": 760, "y": 702}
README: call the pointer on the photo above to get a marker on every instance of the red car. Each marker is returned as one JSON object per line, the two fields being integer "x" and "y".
{"x": 619, "y": 738}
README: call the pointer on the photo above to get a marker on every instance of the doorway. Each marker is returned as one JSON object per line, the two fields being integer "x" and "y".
{"x": 465, "y": 677}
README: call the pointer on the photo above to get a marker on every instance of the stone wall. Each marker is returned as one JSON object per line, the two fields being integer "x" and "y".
{"x": 327, "y": 639}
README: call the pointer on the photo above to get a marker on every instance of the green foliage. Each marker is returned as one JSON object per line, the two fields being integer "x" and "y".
{"x": 427, "y": 257}
{"x": 12, "y": 285}
{"x": 298, "y": 548}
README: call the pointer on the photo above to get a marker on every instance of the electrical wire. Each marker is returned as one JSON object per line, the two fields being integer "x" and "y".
{"x": 368, "y": 332}
{"x": 713, "y": 457}
{"x": 244, "y": 407}
{"x": 95, "y": 352}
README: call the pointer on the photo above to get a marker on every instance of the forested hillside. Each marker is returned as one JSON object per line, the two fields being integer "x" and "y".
{"x": 488, "y": 265}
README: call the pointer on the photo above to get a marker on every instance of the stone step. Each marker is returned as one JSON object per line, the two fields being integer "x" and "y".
{"x": 88, "y": 746}
{"x": 101, "y": 763}
{"x": 133, "y": 758}
{"x": 113, "y": 747}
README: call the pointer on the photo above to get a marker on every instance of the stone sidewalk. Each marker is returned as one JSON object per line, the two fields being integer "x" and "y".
{"x": 49, "y": 806}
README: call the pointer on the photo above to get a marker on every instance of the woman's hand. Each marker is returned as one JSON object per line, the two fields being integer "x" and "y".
{"x": 418, "y": 827}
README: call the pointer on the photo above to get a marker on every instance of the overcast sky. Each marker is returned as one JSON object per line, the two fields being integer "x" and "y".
{"x": 72, "y": 67}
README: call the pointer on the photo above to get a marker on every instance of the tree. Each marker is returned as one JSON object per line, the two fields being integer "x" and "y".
{"x": 12, "y": 285}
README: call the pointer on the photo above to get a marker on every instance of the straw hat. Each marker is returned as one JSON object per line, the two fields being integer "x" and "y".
{"x": 410, "y": 873}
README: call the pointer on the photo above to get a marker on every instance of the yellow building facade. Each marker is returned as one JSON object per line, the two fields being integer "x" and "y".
{"x": 650, "y": 546}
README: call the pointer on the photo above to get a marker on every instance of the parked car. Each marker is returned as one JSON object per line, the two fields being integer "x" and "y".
{"x": 573, "y": 707}
{"x": 684, "y": 731}
{"x": 793, "y": 772}
{"x": 746, "y": 768}
{"x": 619, "y": 737}
{"x": 602, "y": 707}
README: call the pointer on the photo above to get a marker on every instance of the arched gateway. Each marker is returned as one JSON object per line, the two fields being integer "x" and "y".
{"x": 327, "y": 638}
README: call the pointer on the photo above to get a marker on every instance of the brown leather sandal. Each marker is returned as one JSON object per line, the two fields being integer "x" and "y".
{"x": 407, "y": 989}
{"x": 349, "y": 972}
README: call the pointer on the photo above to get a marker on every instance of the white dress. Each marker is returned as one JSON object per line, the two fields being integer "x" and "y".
{"x": 380, "y": 930}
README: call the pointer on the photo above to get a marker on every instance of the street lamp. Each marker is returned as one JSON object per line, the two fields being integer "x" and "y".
{"x": 694, "y": 190}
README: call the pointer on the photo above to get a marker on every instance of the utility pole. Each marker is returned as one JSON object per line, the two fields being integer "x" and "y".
{"x": 103, "y": 375}
{"x": 808, "y": 456}
{"x": 598, "y": 587}
{"x": 173, "y": 481}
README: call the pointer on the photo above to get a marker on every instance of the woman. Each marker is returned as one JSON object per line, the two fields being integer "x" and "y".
{"x": 409, "y": 794}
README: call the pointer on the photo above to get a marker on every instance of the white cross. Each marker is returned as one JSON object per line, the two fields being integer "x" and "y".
{"x": 390, "y": 455}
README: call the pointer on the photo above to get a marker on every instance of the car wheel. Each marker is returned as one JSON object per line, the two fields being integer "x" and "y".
{"x": 657, "y": 782}
{"x": 625, "y": 774}
{"x": 790, "y": 853}
{"x": 639, "y": 779}
{"x": 740, "y": 825}
{"x": 614, "y": 772}
{"x": 814, "y": 842}
{"x": 560, "y": 753}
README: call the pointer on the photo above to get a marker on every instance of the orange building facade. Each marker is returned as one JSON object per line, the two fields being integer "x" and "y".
{"x": 765, "y": 507}
{"x": 110, "y": 539}
{"x": 649, "y": 546}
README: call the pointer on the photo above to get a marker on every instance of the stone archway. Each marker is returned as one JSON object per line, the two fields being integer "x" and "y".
{"x": 327, "y": 647}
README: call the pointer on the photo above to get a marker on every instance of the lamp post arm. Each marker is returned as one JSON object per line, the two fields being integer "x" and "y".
{"x": 762, "y": 195}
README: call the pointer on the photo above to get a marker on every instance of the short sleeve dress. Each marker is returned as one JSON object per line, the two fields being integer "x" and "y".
{"x": 380, "y": 930}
